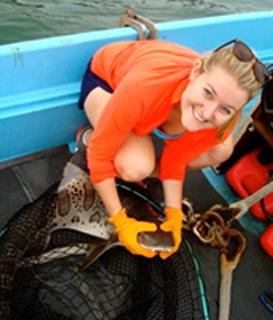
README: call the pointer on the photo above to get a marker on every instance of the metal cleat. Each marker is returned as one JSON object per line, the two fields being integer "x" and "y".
{"x": 130, "y": 18}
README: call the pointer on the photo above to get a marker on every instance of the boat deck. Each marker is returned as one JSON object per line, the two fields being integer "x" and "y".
{"x": 22, "y": 182}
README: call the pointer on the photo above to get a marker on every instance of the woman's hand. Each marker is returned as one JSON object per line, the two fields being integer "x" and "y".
{"x": 173, "y": 223}
{"x": 128, "y": 230}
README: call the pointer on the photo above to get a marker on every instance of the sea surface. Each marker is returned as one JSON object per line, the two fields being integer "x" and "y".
{"x": 22, "y": 20}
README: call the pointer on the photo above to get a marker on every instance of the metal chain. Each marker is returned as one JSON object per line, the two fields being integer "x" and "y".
{"x": 209, "y": 227}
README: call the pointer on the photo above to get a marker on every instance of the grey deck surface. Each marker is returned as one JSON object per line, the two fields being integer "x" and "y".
{"x": 21, "y": 183}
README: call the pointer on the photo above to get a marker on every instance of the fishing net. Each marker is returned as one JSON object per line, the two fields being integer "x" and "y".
{"x": 49, "y": 278}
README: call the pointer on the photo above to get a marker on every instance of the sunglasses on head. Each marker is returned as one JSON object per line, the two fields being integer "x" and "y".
{"x": 245, "y": 54}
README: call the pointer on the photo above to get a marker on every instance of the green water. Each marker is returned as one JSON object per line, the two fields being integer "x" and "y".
{"x": 31, "y": 19}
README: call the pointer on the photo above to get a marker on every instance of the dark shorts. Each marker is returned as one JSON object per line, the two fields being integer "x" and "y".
{"x": 91, "y": 81}
{"x": 159, "y": 145}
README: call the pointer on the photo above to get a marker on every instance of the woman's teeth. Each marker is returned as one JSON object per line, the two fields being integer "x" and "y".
{"x": 198, "y": 117}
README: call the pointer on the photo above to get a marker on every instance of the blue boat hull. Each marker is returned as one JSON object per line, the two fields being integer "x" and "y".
{"x": 40, "y": 80}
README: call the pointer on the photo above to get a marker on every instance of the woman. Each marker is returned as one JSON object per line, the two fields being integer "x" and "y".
{"x": 135, "y": 89}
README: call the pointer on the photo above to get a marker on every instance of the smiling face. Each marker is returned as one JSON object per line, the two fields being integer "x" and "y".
{"x": 210, "y": 99}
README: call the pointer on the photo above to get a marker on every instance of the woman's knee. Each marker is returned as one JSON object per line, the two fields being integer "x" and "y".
{"x": 225, "y": 149}
{"x": 221, "y": 152}
{"x": 136, "y": 158}
{"x": 133, "y": 171}
{"x": 213, "y": 156}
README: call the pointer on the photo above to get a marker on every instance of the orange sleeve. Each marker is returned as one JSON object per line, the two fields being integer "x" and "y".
{"x": 120, "y": 116}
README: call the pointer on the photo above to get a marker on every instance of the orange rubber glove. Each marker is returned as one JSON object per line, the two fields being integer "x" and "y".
{"x": 173, "y": 223}
{"x": 128, "y": 229}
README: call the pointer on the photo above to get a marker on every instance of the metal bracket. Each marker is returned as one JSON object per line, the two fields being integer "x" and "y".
{"x": 141, "y": 24}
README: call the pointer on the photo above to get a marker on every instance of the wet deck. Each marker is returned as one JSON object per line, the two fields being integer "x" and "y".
{"x": 22, "y": 182}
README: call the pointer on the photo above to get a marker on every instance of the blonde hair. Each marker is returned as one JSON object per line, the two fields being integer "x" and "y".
{"x": 240, "y": 70}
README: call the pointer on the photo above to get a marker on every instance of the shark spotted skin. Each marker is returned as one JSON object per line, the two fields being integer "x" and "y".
{"x": 69, "y": 218}
{"x": 80, "y": 208}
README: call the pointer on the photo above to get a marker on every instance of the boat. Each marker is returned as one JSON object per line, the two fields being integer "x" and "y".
{"x": 39, "y": 88}
{"x": 40, "y": 79}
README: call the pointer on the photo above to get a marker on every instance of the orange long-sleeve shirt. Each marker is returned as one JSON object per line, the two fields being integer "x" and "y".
{"x": 148, "y": 78}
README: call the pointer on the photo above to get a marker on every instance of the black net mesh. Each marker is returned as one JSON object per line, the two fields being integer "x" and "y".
{"x": 51, "y": 284}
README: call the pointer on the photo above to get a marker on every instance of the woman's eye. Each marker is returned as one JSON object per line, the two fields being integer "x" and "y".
{"x": 208, "y": 93}
{"x": 226, "y": 110}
